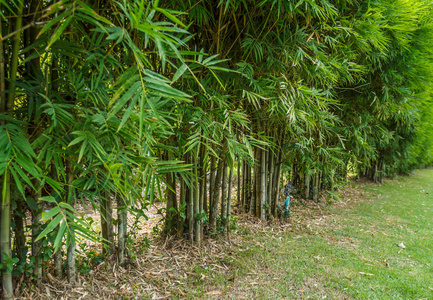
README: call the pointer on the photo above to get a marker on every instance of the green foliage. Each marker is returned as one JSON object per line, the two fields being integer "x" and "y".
{"x": 111, "y": 97}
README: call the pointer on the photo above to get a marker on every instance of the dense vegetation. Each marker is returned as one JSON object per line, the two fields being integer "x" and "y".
{"x": 119, "y": 104}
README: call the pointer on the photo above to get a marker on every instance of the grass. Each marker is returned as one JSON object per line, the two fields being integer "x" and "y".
{"x": 341, "y": 251}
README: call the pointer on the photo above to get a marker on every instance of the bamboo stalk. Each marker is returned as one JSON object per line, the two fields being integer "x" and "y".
{"x": 252, "y": 190}
{"x": 171, "y": 199}
{"x": 203, "y": 189}
{"x": 36, "y": 225}
{"x": 121, "y": 229}
{"x": 229, "y": 200}
{"x": 270, "y": 183}
{"x": 263, "y": 186}
{"x": 212, "y": 182}
{"x": 181, "y": 202}
{"x": 3, "y": 101}
{"x": 244, "y": 186}
{"x": 224, "y": 196}
{"x": 257, "y": 187}
{"x": 70, "y": 256}
{"x": 307, "y": 184}
{"x": 106, "y": 208}
{"x": 196, "y": 211}
{"x": 5, "y": 236}
{"x": 190, "y": 215}
{"x": 277, "y": 184}
{"x": 14, "y": 58}
{"x": 6, "y": 194}
{"x": 315, "y": 186}
{"x": 238, "y": 191}
{"x": 216, "y": 194}
{"x": 19, "y": 238}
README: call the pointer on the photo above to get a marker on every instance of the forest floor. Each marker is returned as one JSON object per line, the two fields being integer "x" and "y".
{"x": 375, "y": 242}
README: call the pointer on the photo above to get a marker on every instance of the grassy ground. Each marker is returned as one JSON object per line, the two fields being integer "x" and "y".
{"x": 341, "y": 251}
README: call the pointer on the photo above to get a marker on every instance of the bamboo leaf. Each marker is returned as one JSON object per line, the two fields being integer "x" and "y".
{"x": 50, "y": 227}
{"x": 59, "y": 32}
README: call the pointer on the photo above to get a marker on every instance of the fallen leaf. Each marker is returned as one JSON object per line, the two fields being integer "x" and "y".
{"x": 51, "y": 277}
{"x": 368, "y": 274}
{"x": 401, "y": 245}
{"x": 216, "y": 293}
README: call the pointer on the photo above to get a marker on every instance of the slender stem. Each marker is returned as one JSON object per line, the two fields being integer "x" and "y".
{"x": 14, "y": 59}
{"x": 229, "y": 200}
{"x": 121, "y": 213}
{"x": 2, "y": 73}
{"x": 263, "y": 186}
{"x": 224, "y": 196}
{"x": 71, "y": 247}
{"x": 197, "y": 225}
{"x": 5, "y": 236}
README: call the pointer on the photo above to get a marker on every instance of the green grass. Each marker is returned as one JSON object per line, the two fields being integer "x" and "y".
{"x": 342, "y": 251}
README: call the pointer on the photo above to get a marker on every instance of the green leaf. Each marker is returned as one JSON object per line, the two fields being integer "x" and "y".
{"x": 59, "y": 32}
{"x": 179, "y": 72}
{"x": 59, "y": 236}
{"x": 170, "y": 16}
{"x": 54, "y": 21}
{"x": 50, "y": 227}
{"x": 51, "y": 213}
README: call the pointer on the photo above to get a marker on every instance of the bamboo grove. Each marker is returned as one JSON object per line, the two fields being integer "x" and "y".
{"x": 118, "y": 104}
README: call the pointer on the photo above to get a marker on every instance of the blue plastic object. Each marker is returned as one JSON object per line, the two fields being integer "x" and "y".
{"x": 286, "y": 207}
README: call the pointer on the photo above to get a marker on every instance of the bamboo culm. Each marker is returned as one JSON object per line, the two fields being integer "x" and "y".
{"x": 121, "y": 228}
{"x": 216, "y": 192}
{"x": 229, "y": 200}
{"x": 70, "y": 256}
{"x": 224, "y": 196}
